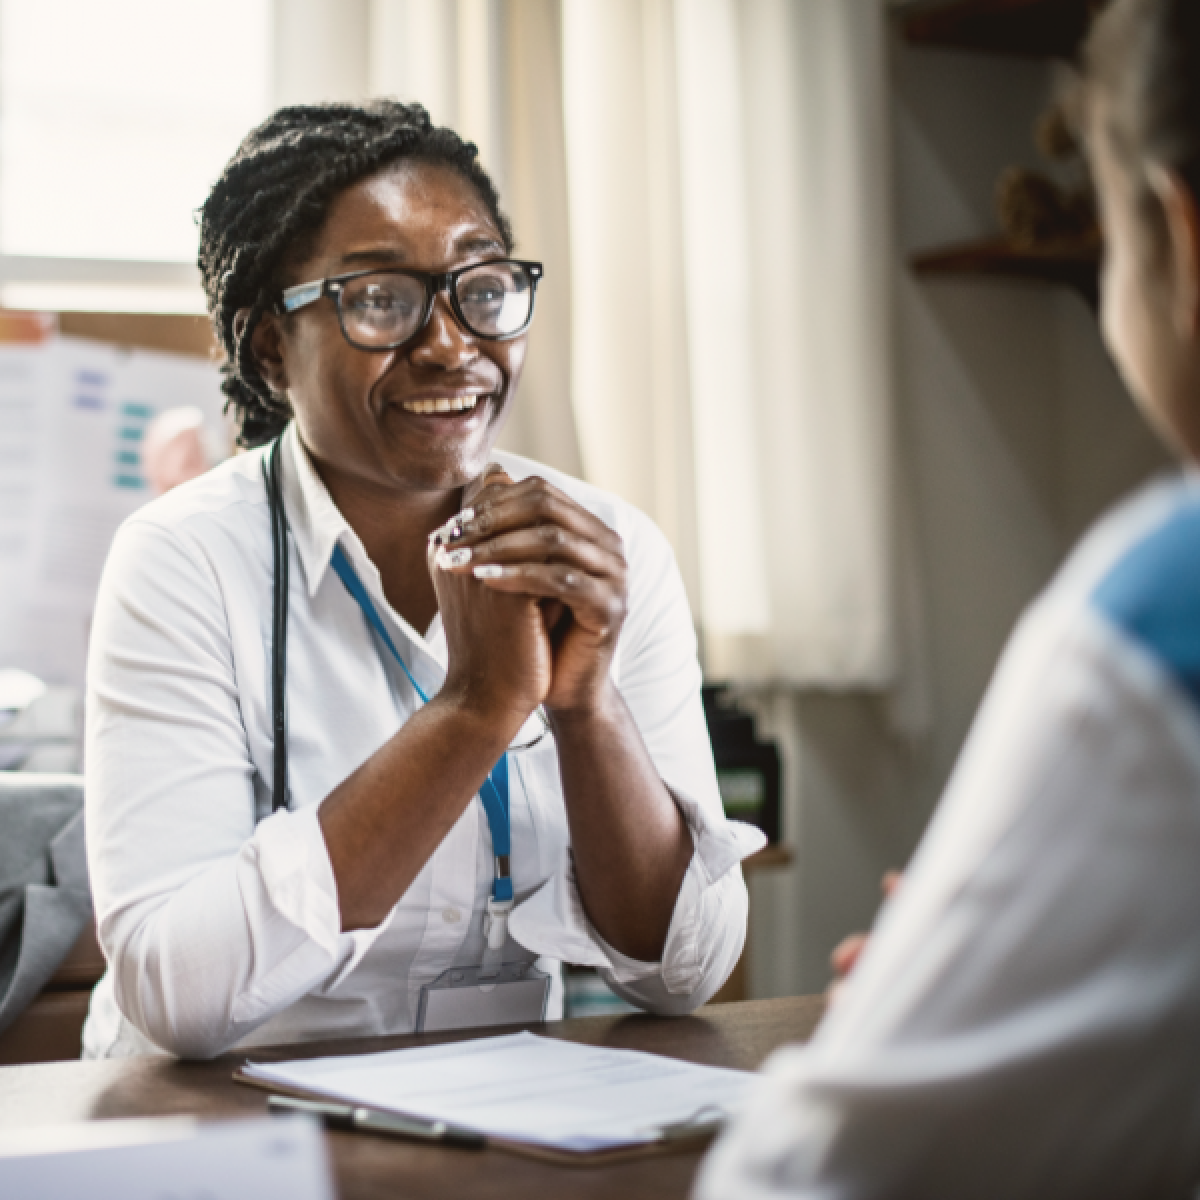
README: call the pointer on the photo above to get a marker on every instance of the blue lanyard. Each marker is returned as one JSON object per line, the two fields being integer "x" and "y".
{"x": 494, "y": 792}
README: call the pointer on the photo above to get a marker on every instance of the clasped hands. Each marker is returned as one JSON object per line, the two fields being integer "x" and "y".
{"x": 532, "y": 589}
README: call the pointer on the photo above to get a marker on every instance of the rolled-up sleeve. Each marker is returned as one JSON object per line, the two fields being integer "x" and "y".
{"x": 211, "y": 924}
{"x": 659, "y": 677}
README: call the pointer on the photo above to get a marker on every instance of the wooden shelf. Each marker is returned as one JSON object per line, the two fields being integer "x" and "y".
{"x": 1075, "y": 265}
{"x": 1027, "y": 28}
{"x": 176, "y": 334}
{"x": 147, "y": 331}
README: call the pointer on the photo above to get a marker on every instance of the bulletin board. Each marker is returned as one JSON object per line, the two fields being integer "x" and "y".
{"x": 76, "y": 397}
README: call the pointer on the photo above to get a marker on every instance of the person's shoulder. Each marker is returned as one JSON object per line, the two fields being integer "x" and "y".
{"x": 217, "y": 498}
{"x": 1145, "y": 582}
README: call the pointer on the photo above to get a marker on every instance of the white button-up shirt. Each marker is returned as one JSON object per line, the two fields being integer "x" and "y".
{"x": 219, "y": 919}
{"x": 1026, "y": 1020}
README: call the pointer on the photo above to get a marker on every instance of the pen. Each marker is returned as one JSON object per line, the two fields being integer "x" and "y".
{"x": 685, "y": 1130}
{"x": 370, "y": 1120}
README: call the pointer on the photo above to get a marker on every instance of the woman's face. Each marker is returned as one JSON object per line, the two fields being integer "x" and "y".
{"x": 1149, "y": 311}
{"x": 356, "y": 409}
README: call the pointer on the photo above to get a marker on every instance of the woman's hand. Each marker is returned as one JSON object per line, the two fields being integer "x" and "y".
{"x": 500, "y": 657}
{"x": 544, "y": 560}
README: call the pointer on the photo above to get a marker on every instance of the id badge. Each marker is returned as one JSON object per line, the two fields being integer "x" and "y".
{"x": 460, "y": 999}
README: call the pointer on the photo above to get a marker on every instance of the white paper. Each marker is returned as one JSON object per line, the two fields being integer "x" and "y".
{"x": 18, "y": 689}
{"x": 256, "y": 1159}
{"x": 527, "y": 1088}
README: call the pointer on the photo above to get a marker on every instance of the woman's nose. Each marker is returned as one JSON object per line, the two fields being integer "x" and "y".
{"x": 443, "y": 342}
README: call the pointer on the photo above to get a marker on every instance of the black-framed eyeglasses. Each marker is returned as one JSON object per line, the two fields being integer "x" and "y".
{"x": 382, "y": 310}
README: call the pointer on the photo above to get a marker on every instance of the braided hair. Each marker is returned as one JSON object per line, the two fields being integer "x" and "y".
{"x": 270, "y": 203}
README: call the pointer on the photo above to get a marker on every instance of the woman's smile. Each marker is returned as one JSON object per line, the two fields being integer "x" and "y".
{"x": 441, "y": 405}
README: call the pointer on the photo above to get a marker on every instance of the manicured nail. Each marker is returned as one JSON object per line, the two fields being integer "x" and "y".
{"x": 489, "y": 571}
{"x": 453, "y": 558}
{"x": 453, "y": 528}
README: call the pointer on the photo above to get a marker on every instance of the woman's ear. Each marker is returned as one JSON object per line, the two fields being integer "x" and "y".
{"x": 266, "y": 344}
{"x": 1183, "y": 238}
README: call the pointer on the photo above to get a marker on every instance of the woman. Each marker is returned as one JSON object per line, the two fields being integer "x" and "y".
{"x": 359, "y": 275}
{"x": 1025, "y": 1022}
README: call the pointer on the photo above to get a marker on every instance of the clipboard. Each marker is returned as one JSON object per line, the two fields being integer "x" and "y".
{"x": 677, "y": 1142}
{"x": 672, "y": 1137}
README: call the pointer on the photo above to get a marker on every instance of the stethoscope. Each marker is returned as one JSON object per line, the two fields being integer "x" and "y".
{"x": 493, "y": 793}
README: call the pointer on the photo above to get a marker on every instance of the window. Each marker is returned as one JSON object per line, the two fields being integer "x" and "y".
{"x": 115, "y": 118}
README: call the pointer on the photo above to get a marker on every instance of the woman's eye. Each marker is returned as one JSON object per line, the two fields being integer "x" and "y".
{"x": 484, "y": 293}
{"x": 380, "y": 301}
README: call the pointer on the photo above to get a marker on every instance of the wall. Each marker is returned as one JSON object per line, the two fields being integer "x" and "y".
{"x": 1014, "y": 433}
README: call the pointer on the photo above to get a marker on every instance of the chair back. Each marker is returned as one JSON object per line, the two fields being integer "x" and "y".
{"x": 49, "y": 958}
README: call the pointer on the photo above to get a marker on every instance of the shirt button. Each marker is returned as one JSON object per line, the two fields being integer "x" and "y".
{"x": 451, "y": 916}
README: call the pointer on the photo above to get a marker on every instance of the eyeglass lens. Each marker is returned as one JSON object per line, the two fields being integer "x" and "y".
{"x": 385, "y": 309}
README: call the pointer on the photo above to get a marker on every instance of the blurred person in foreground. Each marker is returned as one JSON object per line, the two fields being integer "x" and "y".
{"x": 1025, "y": 1021}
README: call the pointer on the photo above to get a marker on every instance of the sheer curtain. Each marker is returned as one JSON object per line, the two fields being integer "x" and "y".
{"x": 492, "y": 69}
{"x": 727, "y": 171}
{"x": 706, "y": 182}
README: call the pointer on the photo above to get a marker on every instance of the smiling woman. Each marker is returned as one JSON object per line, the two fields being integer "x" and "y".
{"x": 286, "y": 847}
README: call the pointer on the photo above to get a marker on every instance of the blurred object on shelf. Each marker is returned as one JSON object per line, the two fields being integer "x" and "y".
{"x": 1050, "y": 229}
{"x": 40, "y": 727}
{"x": 1038, "y": 210}
{"x": 748, "y": 770}
{"x": 178, "y": 447}
{"x": 585, "y": 994}
{"x": 1055, "y": 137}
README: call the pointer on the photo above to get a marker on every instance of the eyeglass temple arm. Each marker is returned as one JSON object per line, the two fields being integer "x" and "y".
{"x": 303, "y": 293}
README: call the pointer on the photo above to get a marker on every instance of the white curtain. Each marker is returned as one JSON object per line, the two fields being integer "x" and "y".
{"x": 492, "y": 69}
{"x": 707, "y": 184}
{"x": 630, "y": 380}
{"x": 727, "y": 168}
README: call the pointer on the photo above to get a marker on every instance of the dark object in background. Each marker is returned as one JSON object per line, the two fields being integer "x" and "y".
{"x": 1036, "y": 212}
{"x": 1040, "y": 211}
{"x": 748, "y": 771}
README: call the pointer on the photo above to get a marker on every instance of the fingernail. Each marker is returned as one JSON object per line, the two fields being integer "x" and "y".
{"x": 455, "y": 527}
{"x": 453, "y": 558}
{"x": 488, "y": 571}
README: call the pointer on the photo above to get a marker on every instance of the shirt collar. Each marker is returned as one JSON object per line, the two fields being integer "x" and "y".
{"x": 315, "y": 522}
{"x": 317, "y": 526}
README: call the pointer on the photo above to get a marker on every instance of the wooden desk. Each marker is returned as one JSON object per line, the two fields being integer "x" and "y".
{"x": 727, "y": 1035}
